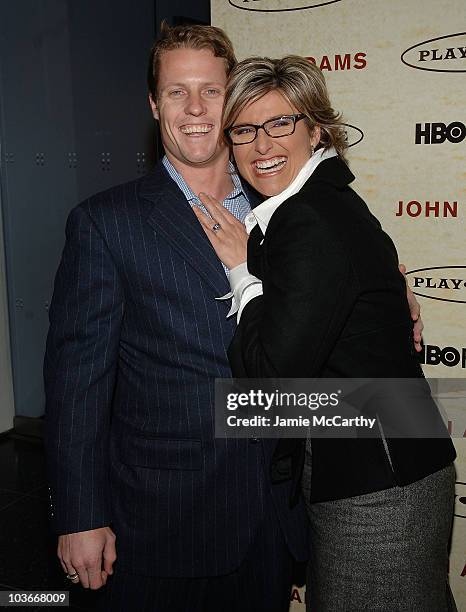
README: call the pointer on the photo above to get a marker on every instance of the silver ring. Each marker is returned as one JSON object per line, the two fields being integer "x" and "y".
{"x": 72, "y": 576}
{"x": 216, "y": 227}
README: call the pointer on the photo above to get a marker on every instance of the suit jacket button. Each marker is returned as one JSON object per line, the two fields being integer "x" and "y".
{"x": 253, "y": 440}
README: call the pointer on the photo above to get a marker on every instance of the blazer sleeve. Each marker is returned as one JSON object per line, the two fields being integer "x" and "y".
{"x": 309, "y": 291}
{"x": 79, "y": 373}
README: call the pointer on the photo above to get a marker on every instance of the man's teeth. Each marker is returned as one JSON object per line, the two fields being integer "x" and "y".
{"x": 196, "y": 129}
{"x": 269, "y": 165}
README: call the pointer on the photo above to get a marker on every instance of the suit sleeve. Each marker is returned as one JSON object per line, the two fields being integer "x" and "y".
{"x": 309, "y": 291}
{"x": 79, "y": 373}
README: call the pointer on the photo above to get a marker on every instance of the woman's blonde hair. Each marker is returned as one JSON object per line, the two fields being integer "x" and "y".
{"x": 302, "y": 84}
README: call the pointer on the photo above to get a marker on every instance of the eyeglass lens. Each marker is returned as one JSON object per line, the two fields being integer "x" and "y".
{"x": 280, "y": 126}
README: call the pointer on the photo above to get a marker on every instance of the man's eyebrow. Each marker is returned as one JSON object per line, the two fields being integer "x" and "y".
{"x": 173, "y": 84}
{"x": 203, "y": 84}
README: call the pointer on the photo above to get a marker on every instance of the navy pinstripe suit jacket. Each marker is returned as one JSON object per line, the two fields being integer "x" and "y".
{"x": 136, "y": 341}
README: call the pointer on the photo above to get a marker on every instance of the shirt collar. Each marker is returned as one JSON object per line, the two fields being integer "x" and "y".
{"x": 189, "y": 193}
{"x": 262, "y": 214}
{"x": 237, "y": 186}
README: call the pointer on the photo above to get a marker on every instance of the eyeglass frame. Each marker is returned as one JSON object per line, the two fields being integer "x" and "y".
{"x": 296, "y": 118}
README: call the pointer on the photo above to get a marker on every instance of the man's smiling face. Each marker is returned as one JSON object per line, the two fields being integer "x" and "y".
{"x": 191, "y": 88}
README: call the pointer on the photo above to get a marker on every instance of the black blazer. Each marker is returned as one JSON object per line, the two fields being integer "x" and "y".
{"x": 334, "y": 305}
{"x": 136, "y": 341}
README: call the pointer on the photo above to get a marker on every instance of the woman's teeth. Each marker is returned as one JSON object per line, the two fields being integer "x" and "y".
{"x": 196, "y": 129}
{"x": 265, "y": 166}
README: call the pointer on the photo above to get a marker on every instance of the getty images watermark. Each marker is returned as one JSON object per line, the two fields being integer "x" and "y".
{"x": 336, "y": 408}
{"x": 277, "y": 400}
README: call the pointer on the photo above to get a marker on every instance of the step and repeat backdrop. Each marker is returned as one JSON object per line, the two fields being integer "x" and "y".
{"x": 397, "y": 72}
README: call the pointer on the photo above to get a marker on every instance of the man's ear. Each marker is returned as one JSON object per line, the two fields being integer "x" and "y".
{"x": 154, "y": 108}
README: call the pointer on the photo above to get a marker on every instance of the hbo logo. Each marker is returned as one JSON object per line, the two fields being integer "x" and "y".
{"x": 448, "y": 356}
{"x": 436, "y": 133}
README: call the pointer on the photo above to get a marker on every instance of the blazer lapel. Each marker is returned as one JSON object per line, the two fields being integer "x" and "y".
{"x": 334, "y": 171}
{"x": 255, "y": 252}
{"x": 171, "y": 216}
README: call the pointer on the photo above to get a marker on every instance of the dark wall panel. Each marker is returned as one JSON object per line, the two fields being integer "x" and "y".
{"x": 170, "y": 9}
{"x": 74, "y": 120}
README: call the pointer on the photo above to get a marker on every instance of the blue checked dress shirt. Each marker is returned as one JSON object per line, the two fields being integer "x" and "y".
{"x": 236, "y": 202}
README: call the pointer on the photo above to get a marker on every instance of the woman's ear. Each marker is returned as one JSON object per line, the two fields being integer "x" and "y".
{"x": 315, "y": 136}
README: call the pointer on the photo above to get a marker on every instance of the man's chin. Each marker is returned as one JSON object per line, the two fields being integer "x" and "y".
{"x": 202, "y": 159}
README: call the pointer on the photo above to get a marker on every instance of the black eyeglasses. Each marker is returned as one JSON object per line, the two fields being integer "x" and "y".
{"x": 275, "y": 128}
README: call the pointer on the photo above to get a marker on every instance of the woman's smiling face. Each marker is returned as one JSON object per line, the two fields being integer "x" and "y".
{"x": 271, "y": 164}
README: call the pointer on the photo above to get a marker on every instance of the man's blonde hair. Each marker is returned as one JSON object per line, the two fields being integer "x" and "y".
{"x": 188, "y": 37}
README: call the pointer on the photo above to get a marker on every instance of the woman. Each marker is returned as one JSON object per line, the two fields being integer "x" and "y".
{"x": 332, "y": 304}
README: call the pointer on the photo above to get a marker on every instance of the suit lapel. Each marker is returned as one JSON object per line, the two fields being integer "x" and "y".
{"x": 171, "y": 216}
{"x": 252, "y": 195}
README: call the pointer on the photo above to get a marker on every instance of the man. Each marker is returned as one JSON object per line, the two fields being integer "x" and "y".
{"x": 135, "y": 344}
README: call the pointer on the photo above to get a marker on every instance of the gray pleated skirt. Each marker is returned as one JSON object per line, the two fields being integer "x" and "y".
{"x": 385, "y": 551}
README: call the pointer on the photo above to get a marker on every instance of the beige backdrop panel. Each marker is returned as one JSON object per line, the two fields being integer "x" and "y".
{"x": 359, "y": 44}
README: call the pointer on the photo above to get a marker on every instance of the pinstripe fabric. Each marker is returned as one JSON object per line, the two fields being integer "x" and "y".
{"x": 136, "y": 341}
{"x": 236, "y": 202}
{"x": 260, "y": 584}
